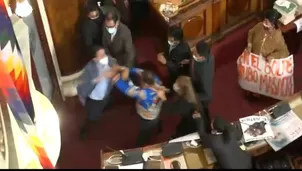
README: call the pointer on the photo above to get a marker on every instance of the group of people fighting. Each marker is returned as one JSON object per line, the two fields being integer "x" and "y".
{"x": 191, "y": 74}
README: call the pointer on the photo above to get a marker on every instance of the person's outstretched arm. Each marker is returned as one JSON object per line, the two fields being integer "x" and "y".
{"x": 201, "y": 124}
{"x": 130, "y": 90}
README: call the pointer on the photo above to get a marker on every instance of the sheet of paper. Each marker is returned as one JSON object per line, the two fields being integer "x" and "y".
{"x": 189, "y": 137}
{"x": 283, "y": 3}
{"x": 133, "y": 166}
{"x": 298, "y": 23}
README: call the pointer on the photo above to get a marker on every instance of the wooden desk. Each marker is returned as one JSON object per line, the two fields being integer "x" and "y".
{"x": 255, "y": 149}
{"x": 202, "y": 19}
{"x": 290, "y": 26}
{"x": 106, "y": 156}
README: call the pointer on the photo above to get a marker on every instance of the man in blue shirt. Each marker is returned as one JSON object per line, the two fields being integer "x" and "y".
{"x": 149, "y": 99}
{"x": 95, "y": 87}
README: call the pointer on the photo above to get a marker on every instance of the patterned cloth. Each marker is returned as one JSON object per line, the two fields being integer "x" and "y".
{"x": 148, "y": 104}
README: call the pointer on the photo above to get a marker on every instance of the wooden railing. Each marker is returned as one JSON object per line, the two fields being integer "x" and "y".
{"x": 204, "y": 19}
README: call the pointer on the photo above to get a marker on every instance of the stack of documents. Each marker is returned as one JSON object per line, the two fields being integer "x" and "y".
{"x": 287, "y": 9}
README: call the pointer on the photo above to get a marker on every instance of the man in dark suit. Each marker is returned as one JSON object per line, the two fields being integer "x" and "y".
{"x": 223, "y": 141}
{"x": 117, "y": 39}
{"x": 95, "y": 87}
{"x": 202, "y": 70}
{"x": 91, "y": 31}
{"x": 176, "y": 54}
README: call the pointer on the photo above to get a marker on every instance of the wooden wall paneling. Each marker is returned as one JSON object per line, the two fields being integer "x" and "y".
{"x": 254, "y": 5}
{"x": 217, "y": 16}
{"x": 63, "y": 17}
{"x": 223, "y": 12}
{"x": 194, "y": 26}
{"x": 209, "y": 19}
{"x": 57, "y": 96}
{"x": 237, "y": 9}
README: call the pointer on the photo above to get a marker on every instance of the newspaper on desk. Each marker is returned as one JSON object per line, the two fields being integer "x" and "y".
{"x": 256, "y": 128}
{"x": 287, "y": 129}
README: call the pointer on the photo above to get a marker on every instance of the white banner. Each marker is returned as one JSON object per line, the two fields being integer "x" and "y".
{"x": 273, "y": 79}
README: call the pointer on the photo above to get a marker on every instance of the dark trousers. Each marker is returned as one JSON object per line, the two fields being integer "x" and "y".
{"x": 206, "y": 115}
{"x": 94, "y": 110}
{"x": 146, "y": 130}
{"x": 186, "y": 126}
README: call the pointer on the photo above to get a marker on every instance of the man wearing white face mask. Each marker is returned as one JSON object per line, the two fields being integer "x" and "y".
{"x": 95, "y": 88}
{"x": 117, "y": 39}
{"x": 176, "y": 55}
{"x": 202, "y": 70}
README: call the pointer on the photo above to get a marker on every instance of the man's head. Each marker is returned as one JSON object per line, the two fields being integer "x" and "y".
{"x": 202, "y": 51}
{"x": 112, "y": 19}
{"x": 271, "y": 19}
{"x": 92, "y": 12}
{"x": 100, "y": 55}
{"x": 147, "y": 78}
{"x": 175, "y": 35}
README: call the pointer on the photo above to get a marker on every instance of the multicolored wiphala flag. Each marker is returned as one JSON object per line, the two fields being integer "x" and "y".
{"x": 15, "y": 87}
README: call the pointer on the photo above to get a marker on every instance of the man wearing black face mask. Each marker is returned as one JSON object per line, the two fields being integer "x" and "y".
{"x": 91, "y": 31}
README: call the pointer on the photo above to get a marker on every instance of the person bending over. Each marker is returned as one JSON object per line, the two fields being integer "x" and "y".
{"x": 149, "y": 99}
{"x": 186, "y": 103}
{"x": 222, "y": 140}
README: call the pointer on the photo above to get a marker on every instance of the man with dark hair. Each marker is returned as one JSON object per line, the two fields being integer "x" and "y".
{"x": 95, "y": 88}
{"x": 222, "y": 139}
{"x": 149, "y": 99}
{"x": 202, "y": 70}
{"x": 117, "y": 39}
{"x": 91, "y": 31}
{"x": 176, "y": 54}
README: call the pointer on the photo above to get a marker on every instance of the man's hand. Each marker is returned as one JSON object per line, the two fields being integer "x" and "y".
{"x": 115, "y": 78}
{"x": 109, "y": 74}
{"x": 125, "y": 73}
{"x": 196, "y": 115}
{"x": 162, "y": 95}
{"x": 249, "y": 47}
{"x": 269, "y": 59}
{"x": 162, "y": 88}
{"x": 126, "y": 2}
{"x": 98, "y": 79}
{"x": 184, "y": 62}
{"x": 161, "y": 58}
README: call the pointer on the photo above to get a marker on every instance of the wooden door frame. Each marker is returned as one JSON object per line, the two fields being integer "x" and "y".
{"x": 57, "y": 94}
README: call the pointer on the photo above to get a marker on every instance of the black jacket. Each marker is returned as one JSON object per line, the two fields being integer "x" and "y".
{"x": 202, "y": 74}
{"x": 91, "y": 31}
{"x": 228, "y": 154}
{"x": 180, "y": 52}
